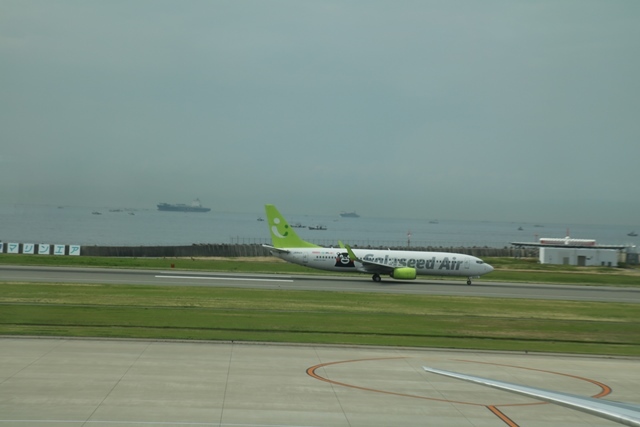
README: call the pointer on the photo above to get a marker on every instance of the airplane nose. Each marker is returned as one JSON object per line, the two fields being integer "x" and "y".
{"x": 488, "y": 267}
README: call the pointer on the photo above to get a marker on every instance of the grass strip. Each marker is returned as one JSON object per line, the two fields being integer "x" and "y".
{"x": 319, "y": 317}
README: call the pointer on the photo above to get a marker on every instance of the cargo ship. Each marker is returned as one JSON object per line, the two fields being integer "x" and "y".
{"x": 349, "y": 215}
{"x": 195, "y": 206}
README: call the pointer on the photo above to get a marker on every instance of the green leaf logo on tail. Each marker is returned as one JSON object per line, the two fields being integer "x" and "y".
{"x": 276, "y": 232}
{"x": 282, "y": 235}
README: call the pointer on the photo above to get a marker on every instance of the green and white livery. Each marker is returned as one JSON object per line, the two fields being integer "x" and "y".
{"x": 401, "y": 265}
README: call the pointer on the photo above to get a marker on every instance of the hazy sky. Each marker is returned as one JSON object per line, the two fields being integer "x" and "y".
{"x": 491, "y": 110}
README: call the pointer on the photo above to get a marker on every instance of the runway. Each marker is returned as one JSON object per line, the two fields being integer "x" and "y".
{"x": 101, "y": 383}
{"x": 356, "y": 283}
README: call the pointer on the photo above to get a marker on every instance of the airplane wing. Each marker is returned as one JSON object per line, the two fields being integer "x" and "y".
{"x": 369, "y": 266}
{"x": 274, "y": 249}
{"x": 623, "y": 413}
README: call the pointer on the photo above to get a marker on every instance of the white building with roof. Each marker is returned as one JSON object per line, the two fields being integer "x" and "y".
{"x": 580, "y": 252}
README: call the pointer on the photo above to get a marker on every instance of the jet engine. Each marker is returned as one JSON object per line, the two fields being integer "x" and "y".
{"x": 404, "y": 273}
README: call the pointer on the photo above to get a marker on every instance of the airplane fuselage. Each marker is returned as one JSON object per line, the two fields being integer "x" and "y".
{"x": 425, "y": 263}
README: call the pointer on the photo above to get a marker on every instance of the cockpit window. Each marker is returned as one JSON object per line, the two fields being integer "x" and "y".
{"x": 479, "y": 261}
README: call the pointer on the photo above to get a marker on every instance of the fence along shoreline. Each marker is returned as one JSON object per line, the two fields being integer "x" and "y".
{"x": 226, "y": 250}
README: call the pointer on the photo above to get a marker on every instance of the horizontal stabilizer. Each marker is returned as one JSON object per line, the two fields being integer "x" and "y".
{"x": 274, "y": 249}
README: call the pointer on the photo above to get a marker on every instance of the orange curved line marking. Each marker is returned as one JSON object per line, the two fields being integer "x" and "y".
{"x": 604, "y": 389}
{"x": 312, "y": 373}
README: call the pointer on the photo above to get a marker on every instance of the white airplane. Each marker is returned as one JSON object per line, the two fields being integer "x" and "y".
{"x": 402, "y": 265}
{"x": 620, "y": 412}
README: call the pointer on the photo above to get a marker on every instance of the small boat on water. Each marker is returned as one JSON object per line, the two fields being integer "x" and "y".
{"x": 317, "y": 227}
{"x": 632, "y": 234}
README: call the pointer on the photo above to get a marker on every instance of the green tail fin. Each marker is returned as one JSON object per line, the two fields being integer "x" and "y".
{"x": 282, "y": 235}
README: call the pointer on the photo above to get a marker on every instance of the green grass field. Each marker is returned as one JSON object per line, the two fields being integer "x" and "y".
{"x": 202, "y": 313}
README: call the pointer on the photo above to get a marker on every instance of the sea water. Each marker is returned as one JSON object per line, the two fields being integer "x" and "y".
{"x": 150, "y": 227}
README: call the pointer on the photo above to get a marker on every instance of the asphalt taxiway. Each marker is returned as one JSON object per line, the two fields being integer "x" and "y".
{"x": 106, "y": 383}
{"x": 349, "y": 283}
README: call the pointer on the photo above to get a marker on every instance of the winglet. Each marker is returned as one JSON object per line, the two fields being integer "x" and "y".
{"x": 352, "y": 256}
{"x": 282, "y": 234}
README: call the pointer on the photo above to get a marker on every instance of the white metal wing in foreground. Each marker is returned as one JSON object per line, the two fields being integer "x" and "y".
{"x": 623, "y": 413}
